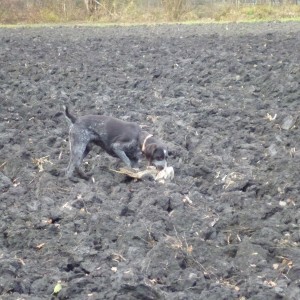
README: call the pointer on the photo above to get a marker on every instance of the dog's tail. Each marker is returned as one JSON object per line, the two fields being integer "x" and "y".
{"x": 70, "y": 118}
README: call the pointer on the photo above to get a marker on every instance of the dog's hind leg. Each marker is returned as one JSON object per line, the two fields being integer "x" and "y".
{"x": 87, "y": 151}
{"x": 78, "y": 150}
{"x": 76, "y": 156}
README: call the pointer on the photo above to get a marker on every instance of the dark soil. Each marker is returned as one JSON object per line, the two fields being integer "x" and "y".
{"x": 226, "y": 99}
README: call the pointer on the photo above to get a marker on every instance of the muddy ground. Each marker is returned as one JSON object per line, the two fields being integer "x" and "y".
{"x": 226, "y": 99}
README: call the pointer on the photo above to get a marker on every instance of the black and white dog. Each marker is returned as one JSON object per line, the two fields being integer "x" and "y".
{"x": 125, "y": 140}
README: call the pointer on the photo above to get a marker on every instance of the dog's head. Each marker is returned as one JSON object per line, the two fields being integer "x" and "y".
{"x": 156, "y": 155}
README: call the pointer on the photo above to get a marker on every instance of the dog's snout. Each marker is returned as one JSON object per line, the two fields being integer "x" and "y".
{"x": 159, "y": 164}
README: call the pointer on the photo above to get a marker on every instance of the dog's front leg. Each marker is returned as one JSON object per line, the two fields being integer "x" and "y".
{"x": 121, "y": 154}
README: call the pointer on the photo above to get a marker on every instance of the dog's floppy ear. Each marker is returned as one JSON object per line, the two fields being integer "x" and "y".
{"x": 149, "y": 150}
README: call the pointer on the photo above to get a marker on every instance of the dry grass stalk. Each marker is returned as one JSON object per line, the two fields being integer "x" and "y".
{"x": 39, "y": 162}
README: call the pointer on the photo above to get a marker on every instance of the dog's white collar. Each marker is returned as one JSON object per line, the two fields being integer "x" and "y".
{"x": 145, "y": 140}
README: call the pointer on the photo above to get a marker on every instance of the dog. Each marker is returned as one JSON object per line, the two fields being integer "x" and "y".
{"x": 125, "y": 140}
